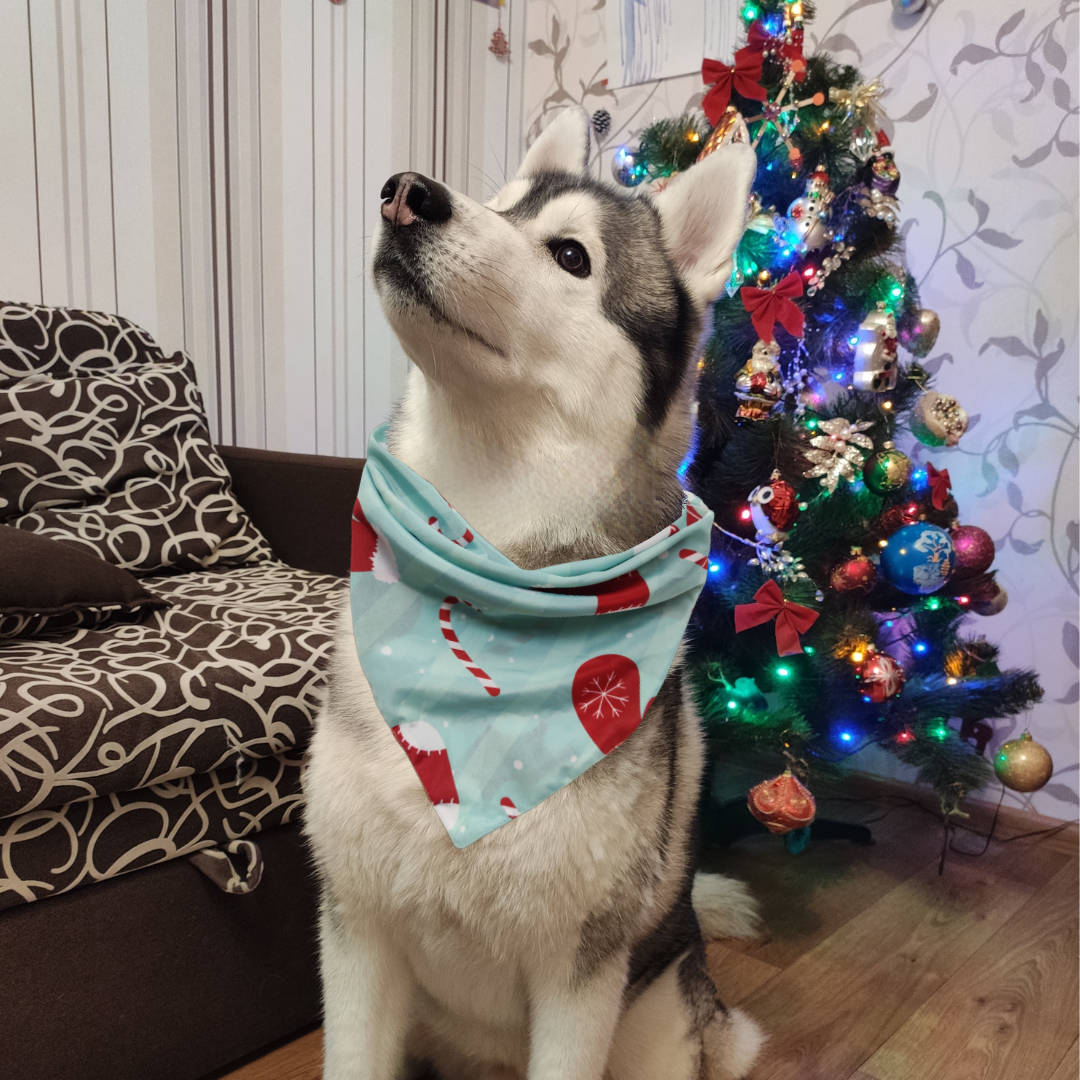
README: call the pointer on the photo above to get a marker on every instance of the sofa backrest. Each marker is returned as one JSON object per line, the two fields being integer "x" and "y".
{"x": 60, "y": 341}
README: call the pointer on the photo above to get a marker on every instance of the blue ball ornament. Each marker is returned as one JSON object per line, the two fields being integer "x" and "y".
{"x": 626, "y": 167}
{"x": 918, "y": 559}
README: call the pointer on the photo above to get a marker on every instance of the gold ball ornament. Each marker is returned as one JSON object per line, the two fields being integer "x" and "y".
{"x": 938, "y": 419}
{"x": 1023, "y": 764}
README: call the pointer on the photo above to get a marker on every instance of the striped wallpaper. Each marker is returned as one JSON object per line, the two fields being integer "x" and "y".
{"x": 211, "y": 169}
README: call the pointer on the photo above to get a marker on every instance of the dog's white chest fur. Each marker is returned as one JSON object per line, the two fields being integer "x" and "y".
{"x": 473, "y": 925}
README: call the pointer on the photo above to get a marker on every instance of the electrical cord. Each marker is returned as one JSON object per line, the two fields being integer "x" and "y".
{"x": 950, "y": 826}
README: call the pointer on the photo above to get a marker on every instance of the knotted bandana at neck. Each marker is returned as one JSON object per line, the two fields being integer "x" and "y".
{"x": 502, "y": 685}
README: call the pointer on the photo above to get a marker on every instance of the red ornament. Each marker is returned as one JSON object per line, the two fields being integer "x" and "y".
{"x": 773, "y": 507}
{"x": 791, "y": 619}
{"x": 758, "y": 39}
{"x": 896, "y": 517}
{"x": 881, "y": 677}
{"x": 768, "y": 307}
{"x": 744, "y": 76}
{"x": 782, "y": 803}
{"x": 499, "y": 45}
{"x": 857, "y": 573}
{"x": 974, "y": 548}
{"x": 940, "y": 486}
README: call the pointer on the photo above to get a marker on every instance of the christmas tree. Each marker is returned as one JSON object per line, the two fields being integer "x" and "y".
{"x": 841, "y": 581}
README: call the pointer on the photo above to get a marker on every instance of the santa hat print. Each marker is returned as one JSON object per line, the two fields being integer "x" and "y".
{"x": 427, "y": 754}
{"x": 371, "y": 552}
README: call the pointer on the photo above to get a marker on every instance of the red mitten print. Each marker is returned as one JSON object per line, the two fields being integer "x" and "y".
{"x": 607, "y": 698}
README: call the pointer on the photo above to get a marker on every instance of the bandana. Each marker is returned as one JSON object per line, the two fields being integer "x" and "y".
{"x": 502, "y": 685}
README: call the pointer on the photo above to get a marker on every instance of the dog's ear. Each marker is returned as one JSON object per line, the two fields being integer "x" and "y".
{"x": 563, "y": 146}
{"x": 703, "y": 211}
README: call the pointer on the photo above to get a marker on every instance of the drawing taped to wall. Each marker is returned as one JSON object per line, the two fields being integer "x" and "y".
{"x": 659, "y": 39}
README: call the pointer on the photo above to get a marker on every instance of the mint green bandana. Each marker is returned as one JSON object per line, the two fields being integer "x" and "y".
{"x": 501, "y": 684}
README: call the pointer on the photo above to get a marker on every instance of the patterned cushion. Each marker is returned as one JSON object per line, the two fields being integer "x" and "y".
{"x": 62, "y": 341}
{"x": 233, "y": 670}
{"x": 121, "y": 464}
{"x": 48, "y": 585}
{"x": 30, "y": 624}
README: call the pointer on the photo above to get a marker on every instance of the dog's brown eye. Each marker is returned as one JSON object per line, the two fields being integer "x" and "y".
{"x": 571, "y": 256}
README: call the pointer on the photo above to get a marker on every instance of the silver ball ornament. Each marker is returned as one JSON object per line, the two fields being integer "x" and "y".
{"x": 908, "y": 7}
{"x": 921, "y": 336}
{"x": 626, "y": 167}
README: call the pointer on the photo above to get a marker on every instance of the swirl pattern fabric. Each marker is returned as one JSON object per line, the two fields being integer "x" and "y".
{"x": 39, "y": 340}
{"x": 120, "y": 464}
{"x": 47, "y": 852}
{"x": 234, "y": 667}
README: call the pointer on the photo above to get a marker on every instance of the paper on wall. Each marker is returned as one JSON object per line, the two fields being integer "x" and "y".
{"x": 658, "y": 39}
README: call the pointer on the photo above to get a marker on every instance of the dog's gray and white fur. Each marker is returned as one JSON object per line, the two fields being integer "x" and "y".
{"x": 551, "y": 406}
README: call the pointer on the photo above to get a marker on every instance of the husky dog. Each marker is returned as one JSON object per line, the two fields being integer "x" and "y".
{"x": 553, "y": 333}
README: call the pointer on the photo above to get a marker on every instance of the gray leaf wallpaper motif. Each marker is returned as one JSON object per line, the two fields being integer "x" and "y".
{"x": 984, "y": 109}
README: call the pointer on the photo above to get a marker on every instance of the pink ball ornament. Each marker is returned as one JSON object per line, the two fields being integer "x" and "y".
{"x": 973, "y": 548}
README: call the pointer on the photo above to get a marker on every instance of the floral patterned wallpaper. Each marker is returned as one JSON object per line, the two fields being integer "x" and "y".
{"x": 985, "y": 126}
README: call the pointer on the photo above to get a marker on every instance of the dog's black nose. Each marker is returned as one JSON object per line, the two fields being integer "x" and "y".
{"x": 408, "y": 196}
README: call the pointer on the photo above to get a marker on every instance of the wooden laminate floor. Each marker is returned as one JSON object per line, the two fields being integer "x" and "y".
{"x": 872, "y": 967}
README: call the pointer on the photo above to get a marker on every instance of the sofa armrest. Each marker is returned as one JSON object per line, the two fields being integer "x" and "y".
{"x": 302, "y": 503}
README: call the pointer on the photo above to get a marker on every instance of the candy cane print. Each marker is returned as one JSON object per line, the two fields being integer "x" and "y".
{"x": 663, "y": 534}
{"x": 467, "y": 536}
{"x": 457, "y": 650}
{"x": 695, "y": 557}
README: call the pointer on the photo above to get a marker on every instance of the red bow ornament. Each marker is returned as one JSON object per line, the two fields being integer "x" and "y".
{"x": 757, "y": 38}
{"x": 744, "y": 77}
{"x": 791, "y": 619}
{"x": 940, "y": 485}
{"x": 768, "y": 307}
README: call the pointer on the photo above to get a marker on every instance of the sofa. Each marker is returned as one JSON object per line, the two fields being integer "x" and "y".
{"x": 157, "y": 905}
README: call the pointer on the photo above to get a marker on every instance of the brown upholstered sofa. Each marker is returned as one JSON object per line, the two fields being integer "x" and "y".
{"x": 157, "y": 905}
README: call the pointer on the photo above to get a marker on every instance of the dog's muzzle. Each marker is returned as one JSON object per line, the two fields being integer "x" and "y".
{"x": 408, "y": 197}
